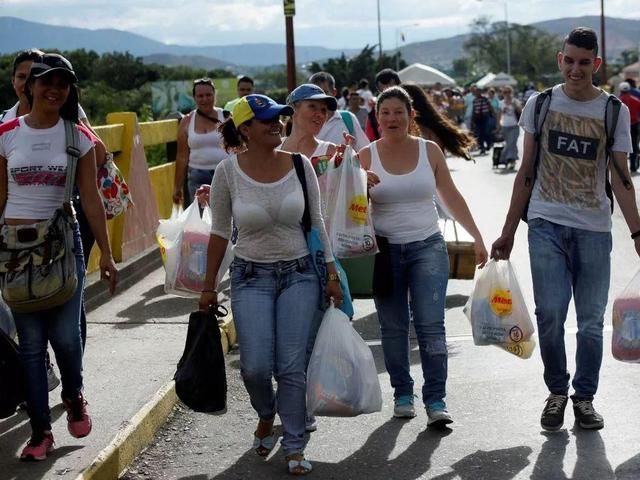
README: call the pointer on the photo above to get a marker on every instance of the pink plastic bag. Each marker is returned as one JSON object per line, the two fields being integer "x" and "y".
{"x": 625, "y": 341}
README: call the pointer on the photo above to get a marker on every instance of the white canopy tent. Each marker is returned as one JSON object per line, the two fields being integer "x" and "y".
{"x": 425, "y": 75}
{"x": 496, "y": 80}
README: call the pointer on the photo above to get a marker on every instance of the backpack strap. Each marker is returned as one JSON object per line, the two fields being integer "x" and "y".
{"x": 306, "y": 216}
{"x": 73, "y": 153}
{"x": 348, "y": 121}
{"x": 611, "y": 116}
{"x": 541, "y": 108}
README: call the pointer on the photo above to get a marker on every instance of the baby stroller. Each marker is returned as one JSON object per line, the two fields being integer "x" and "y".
{"x": 498, "y": 147}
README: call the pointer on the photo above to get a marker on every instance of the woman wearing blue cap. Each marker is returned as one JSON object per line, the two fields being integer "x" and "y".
{"x": 311, "y": 109}
{"x": 274, "y": 287}
{"x": 33, "y": 172}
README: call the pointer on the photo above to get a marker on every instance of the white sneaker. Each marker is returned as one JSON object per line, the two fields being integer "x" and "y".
{"x": 403, "y": 407}
{"x": 310, "y": 423}
{"x": 438, "y": 415}
{"x": 52, "y": 379}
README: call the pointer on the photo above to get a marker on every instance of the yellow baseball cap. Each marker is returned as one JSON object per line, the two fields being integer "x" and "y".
{"x": 259, "y": 107}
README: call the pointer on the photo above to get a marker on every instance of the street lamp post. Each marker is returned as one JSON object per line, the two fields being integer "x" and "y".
{"x": 508, "y": 36}
{"x": 379, "y": 37}
{"x": 289, "y": 12}
{"x": 506, "y": 20}
{"x": 603, "y": 69}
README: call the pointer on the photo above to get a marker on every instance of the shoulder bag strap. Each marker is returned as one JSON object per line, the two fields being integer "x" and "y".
{"x": 73, "y": 153}
{"x": 306, "y": 216}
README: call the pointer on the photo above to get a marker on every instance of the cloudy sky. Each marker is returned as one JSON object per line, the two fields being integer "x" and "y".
{"x": 331, "y": 23}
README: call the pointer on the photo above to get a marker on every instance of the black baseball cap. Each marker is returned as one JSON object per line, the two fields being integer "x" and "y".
{"x": 52, "y": 62}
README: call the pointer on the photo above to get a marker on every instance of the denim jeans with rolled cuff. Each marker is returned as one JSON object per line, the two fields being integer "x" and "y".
{"x": 273, "y": 306}
{"x": 419, "y": 270}
{"x": 59, "y": 326}
{"x": 566, "y": 261}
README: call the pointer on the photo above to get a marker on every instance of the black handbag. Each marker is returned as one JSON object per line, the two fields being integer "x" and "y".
{"x": 12, "y": 380}
{"x": 201, "y": 380}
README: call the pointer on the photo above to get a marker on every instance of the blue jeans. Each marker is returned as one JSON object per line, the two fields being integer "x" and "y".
{"x": 273, "y": 306}
{"x": 197, "y": 177}
{"x": 420, "y": 270}
{"x": 61, "y": 327}
{"x": 567, "y": 260}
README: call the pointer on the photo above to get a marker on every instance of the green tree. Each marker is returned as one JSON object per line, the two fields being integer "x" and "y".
{"x": 123, "y": 71}
{"x": 364, "y": 65}
{"x": 629, "y": 56}
{"x": 83, "y": 62}
{"x": 532, "y": 52}
{"x": 463, "y": 68}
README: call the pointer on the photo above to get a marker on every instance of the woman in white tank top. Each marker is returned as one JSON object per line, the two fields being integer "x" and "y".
{"x": 199, "y": 142}
{"x": 404, "y": 174}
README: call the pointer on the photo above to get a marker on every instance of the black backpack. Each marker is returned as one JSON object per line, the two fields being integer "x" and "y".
{"x": 611, "y": 114}
{"x": 201, "y": 381}
{"x": 12, "y": 383}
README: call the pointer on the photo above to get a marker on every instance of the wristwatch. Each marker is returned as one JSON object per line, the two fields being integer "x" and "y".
{"x": 333, "y": 277}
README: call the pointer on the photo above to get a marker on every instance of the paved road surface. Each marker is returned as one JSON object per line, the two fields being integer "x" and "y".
{"x": 495, "y": 399}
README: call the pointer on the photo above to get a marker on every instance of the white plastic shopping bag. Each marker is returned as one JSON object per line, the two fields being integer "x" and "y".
{"x": 625, "y": 341}
{"x": 497, "y": 311}
{"x": 169, "y": 229}
{"x": 348, "y": 217}
{"x": 186, "y": 239}
{"x": 342, "y": 380}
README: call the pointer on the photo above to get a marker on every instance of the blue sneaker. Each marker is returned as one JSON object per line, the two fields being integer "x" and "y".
{"x": 403, "y": 407}
{"x": 438, "y": 415}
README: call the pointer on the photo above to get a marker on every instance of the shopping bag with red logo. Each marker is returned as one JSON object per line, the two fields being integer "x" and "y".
{"x": 625, "y": 341}
{"x": 497, "y": 310}
{"x": 347, "y": 215}
{"x": 169, "y": 229}
{"x": 186, "y": 243}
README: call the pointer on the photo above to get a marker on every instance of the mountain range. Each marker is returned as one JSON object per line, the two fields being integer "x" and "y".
{"x": 621, "y": 34}
{"x": 17, "y": 34}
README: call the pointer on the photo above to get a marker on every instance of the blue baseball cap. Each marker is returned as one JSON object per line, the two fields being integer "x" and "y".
{"x": 309, "y": 91}
{"x": 259, "y": 107}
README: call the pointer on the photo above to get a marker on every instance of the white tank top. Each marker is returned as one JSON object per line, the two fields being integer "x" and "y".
{"x": 402, "y": 206}
{"x": 205, "y": 149}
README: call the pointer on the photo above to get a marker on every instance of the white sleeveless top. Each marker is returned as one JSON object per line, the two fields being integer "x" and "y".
{"x": 402, "y": 206}
{"x": 205, "y": 149}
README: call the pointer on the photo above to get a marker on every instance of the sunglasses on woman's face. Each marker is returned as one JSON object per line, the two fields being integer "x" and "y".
{"x": 203, "y": 81}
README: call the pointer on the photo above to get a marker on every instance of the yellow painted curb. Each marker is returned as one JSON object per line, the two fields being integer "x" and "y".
{"x": 128, "y": 443}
